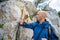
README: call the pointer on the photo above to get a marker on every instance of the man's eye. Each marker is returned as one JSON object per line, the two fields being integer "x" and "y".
{"x": 37, "y": 14}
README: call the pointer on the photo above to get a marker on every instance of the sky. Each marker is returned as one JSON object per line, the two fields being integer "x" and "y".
{"x": 55, "y": 4}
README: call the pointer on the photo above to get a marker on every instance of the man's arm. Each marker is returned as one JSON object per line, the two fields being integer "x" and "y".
{"x": 24, "y": 24}
{"x": 27, "y": 25}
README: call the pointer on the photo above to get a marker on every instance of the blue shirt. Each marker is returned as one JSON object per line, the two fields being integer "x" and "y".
{"x": 44, "y": 33}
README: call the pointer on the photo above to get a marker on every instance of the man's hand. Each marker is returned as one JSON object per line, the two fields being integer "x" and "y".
{"x": 21, "y": 21}
{"x": 44, "y": 39}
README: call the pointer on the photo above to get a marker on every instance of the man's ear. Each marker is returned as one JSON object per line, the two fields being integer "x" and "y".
{"x": 43, "y": 16}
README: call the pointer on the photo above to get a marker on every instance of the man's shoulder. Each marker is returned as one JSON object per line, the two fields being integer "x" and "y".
{"x": 47, "y": 24}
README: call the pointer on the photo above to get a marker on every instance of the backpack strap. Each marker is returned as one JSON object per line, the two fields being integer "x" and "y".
{"x": 50, "y": 31}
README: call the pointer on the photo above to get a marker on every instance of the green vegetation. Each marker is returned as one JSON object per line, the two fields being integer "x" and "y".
{"x": 2, "y": 38}
{"x": 31, "y": 17}
{"x": 38, "y": 1}
{"x": 59, "y": 13}
{"x": 1, "y": 25}
{"x": 3, "y": 0}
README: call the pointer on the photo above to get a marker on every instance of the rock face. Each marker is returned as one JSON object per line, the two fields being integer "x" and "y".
{"x": 1, "y": 33}
{"x": 10, "y": 13}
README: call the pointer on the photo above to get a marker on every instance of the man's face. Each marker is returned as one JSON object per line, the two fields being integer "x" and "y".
{"x": 41, "y": 15}
{"x": 38, "y": 16}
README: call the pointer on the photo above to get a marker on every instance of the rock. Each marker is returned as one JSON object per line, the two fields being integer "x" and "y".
{"x": 1, "y": 33}
{"x": 31, "y": 9}
{"x": 11, "y": 13}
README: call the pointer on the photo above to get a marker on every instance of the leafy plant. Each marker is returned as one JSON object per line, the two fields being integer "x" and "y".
{"x": 2, "y": 38}
{"x": 1, "y": 25}
{"x": 3, "y": 0}
{"x": 59, "y": 13}
{"x": 31, "y": 17}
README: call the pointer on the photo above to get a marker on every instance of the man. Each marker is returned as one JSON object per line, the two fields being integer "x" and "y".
{"x": 37, "y": 26}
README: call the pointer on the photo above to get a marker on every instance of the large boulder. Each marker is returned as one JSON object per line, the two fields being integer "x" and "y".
{"x": 11, "y": 12}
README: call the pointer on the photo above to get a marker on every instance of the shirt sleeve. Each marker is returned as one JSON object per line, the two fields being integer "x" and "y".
{"x": 31, "y": 25}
